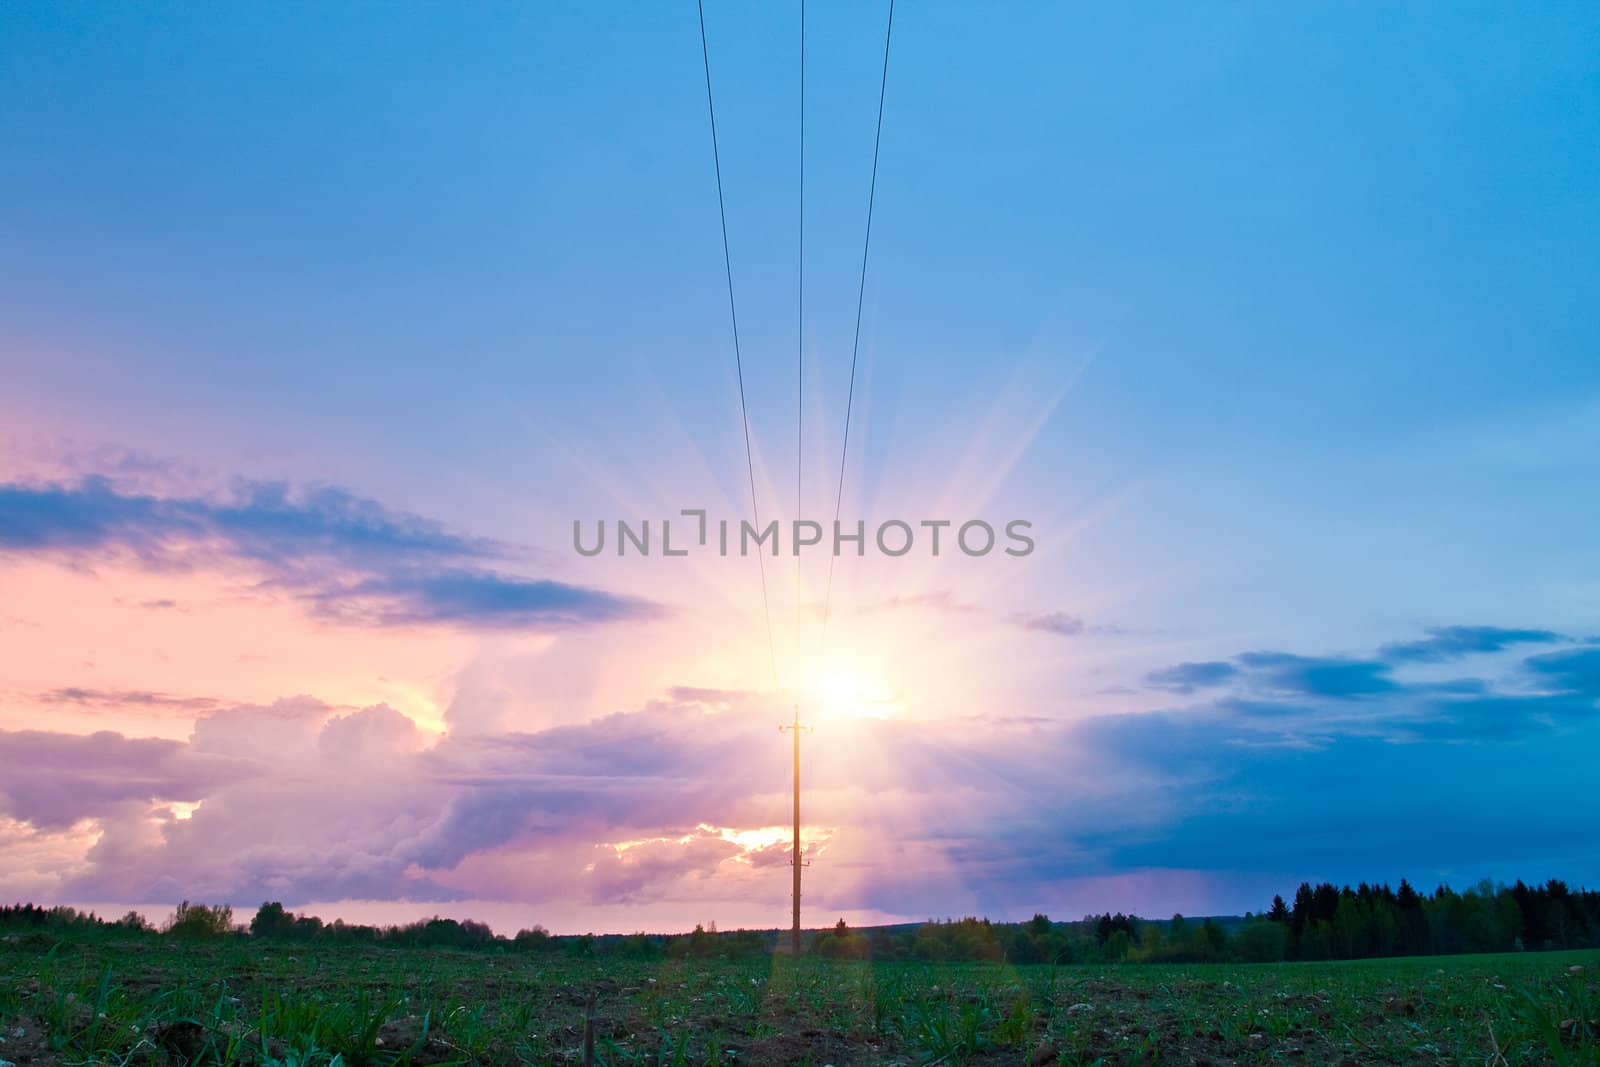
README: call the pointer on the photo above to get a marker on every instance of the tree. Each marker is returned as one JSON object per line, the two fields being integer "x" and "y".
{"x": 1118, "y": 945}
{"x": 198, "y": 920}
{"x": 135, "y": 922}
{"x": 842, "y": 943}
{"x": 271, "y": 921}
{"x": 533, "y": 939}
{"x": 1304, "y": 909}
{"x": 1263, "y": 941}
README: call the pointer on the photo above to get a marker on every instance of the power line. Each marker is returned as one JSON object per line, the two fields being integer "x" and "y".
{"x": 738, "y": 359}
{"x": 800, "y": 333}
{"x": 855, "y": 348}
{"x": 796, "y": 857}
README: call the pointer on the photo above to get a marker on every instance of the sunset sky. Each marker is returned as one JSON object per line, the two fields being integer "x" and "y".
{"x": 321, "y": 324}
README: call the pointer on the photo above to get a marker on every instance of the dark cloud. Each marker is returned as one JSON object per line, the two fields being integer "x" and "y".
{"x": 1187, "y": 677}
{"x": 1453, "y": 642}
{"x": 348, "y": 557}
{"x": 266, "y": 521}
{"x": 1318, "y": 676}
{"x": 1279, "y": 698}
{"x": 1575, "y": 671}
{"x": 478, "y": 599}
{"x": 1350, "y": 806}
{"x": 1491, "y": 716}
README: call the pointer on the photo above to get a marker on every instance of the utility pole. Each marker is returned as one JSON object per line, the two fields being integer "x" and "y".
{"x": 796, "y": 859}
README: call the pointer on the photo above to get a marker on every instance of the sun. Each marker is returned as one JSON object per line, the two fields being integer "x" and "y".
{"x": 847, "y": 690}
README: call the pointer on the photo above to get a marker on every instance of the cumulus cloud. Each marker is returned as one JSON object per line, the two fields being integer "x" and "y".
{"x": 375, "y": 733}
{"x": 686, "y": 797}
{"x": 285, "y": 730}
{"x": 298, "y": 800}
{"x": 631, "y": 875}
{"x": 344, "y": 556}
{"x": 53, "y": 780}
{"x": 303, "y": 803}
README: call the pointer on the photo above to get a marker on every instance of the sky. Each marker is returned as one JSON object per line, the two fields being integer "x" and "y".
{"x": 321, "y": 326}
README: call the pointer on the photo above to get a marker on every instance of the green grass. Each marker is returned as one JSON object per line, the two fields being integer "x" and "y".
{"x": 156, "y": 1001}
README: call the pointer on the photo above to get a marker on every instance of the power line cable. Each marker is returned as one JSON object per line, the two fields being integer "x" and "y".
{"x": 800, "y": 336}
{"x": 855, "y": 348}
{"x": 738, "y": 359}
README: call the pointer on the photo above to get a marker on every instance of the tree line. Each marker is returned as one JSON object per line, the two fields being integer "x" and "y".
{"x": 1323, "y": 922}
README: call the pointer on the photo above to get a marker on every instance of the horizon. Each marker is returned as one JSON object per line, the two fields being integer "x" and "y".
{"x": 159, "y": 920}
{"x": 324, "y": 336}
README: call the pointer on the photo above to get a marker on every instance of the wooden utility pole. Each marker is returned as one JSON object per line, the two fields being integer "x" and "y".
{"x": 797, "y": 857}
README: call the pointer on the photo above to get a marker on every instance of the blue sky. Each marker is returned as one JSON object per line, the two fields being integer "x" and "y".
{"x": 1279, "y": 323}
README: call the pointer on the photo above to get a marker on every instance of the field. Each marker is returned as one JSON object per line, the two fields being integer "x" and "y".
{"x": 157, "y": 1001}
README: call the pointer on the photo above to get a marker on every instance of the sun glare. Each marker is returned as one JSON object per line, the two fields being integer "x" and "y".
{"x": 849, "y": 691}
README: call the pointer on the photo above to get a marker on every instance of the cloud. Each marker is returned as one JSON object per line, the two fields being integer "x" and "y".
{"x": 1351, "y": 805}
{"x": 1454, "y": 642}
{"x": 635, "y": 875}
{"x": 1576, "y": 671}
{"x": 377, "y": 732}
{"x": 297, "y": 800}
{"x": 122, "y": 698}
{"x": 1051, "y": 622}
{"x": 689, "y": 694}
{"x": 290, "y": 800}
{"x": 477, "y": 598}
{"x": 1318, "y": 676}
{"x": 346, "y": 557}
{"x": 266, "y": 521}
{"x": 938, "y": 601}
{"x": 1187, "y": 677}
{"x": 1060, "y": 623}
{"x": 284, "y": 731}
{"x": 1282, "y": 758}
{"x": 1275, "y": 697}
{"x": 53, "y": 780}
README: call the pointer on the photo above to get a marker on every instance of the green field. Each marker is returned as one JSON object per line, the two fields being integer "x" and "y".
{"x": 160, "y": 1001}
